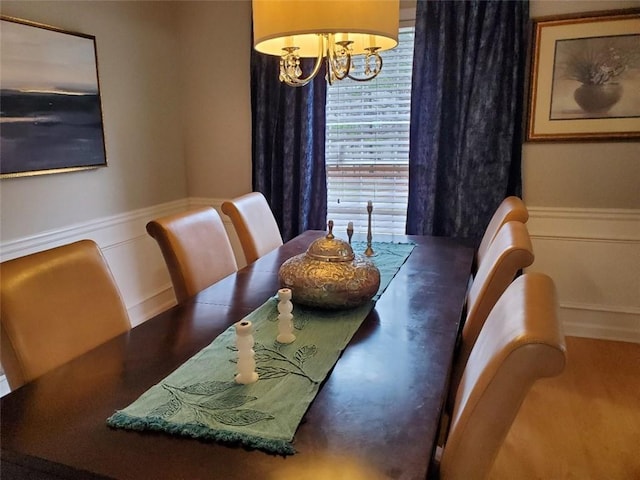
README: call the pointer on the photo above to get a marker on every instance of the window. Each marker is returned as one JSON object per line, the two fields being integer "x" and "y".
{"x": 367, "y": 144}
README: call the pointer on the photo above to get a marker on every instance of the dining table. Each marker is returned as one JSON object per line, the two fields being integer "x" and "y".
{"x": 376, "y": 415}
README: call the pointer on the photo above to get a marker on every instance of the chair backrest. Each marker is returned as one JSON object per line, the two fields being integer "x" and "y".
{"x": 511, "y": 209}
{"x": 196, "y": 249}
{"x": 254, "y": 223}
{"x": 510, "y": 252}
{"x": 521, "y": 342}
{"x": 54, "y": 306}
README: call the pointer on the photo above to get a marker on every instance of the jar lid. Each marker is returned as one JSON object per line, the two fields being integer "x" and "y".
{"x": 330, "y": 248}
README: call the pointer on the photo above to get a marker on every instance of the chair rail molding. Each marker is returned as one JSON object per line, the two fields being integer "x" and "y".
{"x": 594, "y": 257}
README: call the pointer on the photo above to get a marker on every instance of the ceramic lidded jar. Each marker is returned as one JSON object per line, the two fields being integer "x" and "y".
{"x": 329, "y": 275}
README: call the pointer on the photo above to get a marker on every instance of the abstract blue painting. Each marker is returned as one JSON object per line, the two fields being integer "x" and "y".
{"x": 50, "y": 108}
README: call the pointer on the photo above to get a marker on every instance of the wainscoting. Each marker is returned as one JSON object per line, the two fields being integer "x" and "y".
{"x": 133, "y": 256}
{"x": 593, "y": 255}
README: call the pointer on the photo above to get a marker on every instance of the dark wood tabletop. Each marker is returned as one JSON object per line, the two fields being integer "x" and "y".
{"x": 375, "y": 417}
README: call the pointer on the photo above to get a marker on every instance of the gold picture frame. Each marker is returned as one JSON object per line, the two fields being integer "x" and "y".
{"x": 585, "y": 77}
{"x": 51, "y": 118}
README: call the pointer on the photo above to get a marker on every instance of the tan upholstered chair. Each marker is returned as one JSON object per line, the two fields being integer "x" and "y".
{"x": 511, "y": 209}
{"x": 196, "y": 249}
{"x": 510, "y": 252}
{"x": 255, "y": 225}
{"x": 54, "y": 306}
{"x": 521, "y": 342}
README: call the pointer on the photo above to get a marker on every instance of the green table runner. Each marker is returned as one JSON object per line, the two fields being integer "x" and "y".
{"x": 201, "y": 399}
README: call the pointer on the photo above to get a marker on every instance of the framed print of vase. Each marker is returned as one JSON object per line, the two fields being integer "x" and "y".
{"x": 585, "y": 77}
{"x": 51, "y": 115}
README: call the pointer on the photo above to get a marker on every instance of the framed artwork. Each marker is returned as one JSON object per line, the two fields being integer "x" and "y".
{"x": 51, "y": 115}
{"x": 585, "y": 77}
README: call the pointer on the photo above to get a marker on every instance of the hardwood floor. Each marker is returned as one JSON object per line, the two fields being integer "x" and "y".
{"x": 583, "y": 424}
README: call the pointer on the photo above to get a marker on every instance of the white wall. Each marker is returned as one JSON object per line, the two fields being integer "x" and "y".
{"x": 137, "y": 48}
{"x": 215, "y": 46}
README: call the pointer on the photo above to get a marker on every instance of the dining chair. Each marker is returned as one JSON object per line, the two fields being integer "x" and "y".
{"x": 196, "y": 249}
{"x": 510, "y": 209}
{"x": 54, "y": 306}
{"x": 521, "y": 342}
{"x": 510, "y": 252}
{"x": 254, "y": 223}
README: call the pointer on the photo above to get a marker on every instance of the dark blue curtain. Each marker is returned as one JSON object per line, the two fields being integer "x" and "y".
{"x": 466, "y": 114}
{"x": 288, "y": 146}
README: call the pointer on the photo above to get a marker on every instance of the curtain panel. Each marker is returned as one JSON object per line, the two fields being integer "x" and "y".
{"x": 466, "y": 114}
{"x": 288, "y": 135}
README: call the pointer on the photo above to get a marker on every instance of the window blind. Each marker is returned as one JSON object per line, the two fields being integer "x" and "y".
{"x": 367, "y": 144}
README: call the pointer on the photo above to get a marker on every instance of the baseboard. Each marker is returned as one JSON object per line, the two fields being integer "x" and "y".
{"x": 593, "y": 255}
{"x": 621, "y": 325}
{"x": 152, "y": 306}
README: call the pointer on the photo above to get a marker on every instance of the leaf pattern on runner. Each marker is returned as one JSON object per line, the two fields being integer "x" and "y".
{"x": 268, "y": 372}
{"x": 300, "y": 321}
{"x": 229, "y": 401}
{"x": 305, "y": 353}
{"x": 168, "y": 409}
{"x": 272, "y": 363}
{"x": 218, "y": 404}
{"x": 206, "y": 388}
{"x": 241, "y": 417}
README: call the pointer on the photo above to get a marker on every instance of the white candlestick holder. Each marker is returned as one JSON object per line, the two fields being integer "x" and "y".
{"x": 285, "y": 317}
{"x": 246, "y": 362}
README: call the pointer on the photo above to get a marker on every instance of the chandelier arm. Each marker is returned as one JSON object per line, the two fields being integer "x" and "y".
{"x": 365, "y": 79}
{"x": 329, "y": 77}
{"x": 378, "y": 59}
{"x": 337, "y": 69}
{"x": 301, "y": 82}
